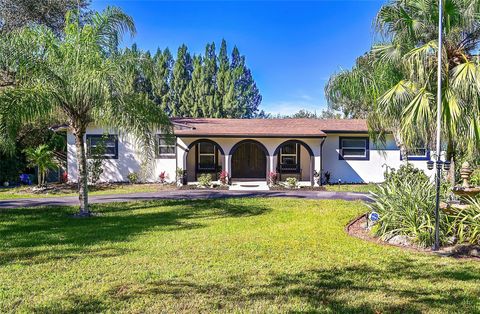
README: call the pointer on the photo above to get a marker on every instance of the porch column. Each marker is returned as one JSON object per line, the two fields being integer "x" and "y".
{"x": 271, "y": 163}
{"x": 228, "y": 165}
{"x": 312, "y": 170}
{"x": 317, "y": 166}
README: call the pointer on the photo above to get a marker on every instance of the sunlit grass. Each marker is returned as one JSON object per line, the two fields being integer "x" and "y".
{"x": 235, "y": 255}
{"x": 361, "y": 188}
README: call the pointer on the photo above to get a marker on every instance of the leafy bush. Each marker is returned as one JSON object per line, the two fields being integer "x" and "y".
{"x": 466, "y": 223}
{"x": 292, "y": 182}
{"x": 272, "y": 178}
{"x": 406, "y": 172}
{"x": 475, "y": 178}
{"x": 96, "y": 161}
{"x": 406, "y": 203}
{"x": 162, "y": 177}
{"x": 133, "y": 177}
{"x": 224, "y": 177}
{"x": 179, "y": 174}
{"x": 205, "y": 180}
{"x": 43, "y": 159}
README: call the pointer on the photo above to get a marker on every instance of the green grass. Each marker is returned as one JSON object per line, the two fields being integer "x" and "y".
{"x": 362, "y": 188}
{"x": 236, "y": 255}
{"x": 24, "y": 192}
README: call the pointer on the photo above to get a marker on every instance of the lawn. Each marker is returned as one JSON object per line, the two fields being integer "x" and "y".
{"x": 362, "y": 188}
{"x": 70, "y": 190}
{"x": 235, "y": 255}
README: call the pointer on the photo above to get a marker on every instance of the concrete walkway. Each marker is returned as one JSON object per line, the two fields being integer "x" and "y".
{"x": 180, "y": 195}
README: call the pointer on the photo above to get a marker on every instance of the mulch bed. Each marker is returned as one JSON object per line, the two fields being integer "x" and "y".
{"x": 302, "y": 188}
{"x": 356, "y": 228}
{"x": 196, "y": 187}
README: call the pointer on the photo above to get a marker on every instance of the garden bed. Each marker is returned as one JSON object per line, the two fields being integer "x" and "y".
{"x": 357, "y": 228}
{"x": 301, "y": 188}
{"x": 196, "y": 187}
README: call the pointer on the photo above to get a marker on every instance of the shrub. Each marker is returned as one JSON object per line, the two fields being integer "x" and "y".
{"x": 96, "y": 161}
{"x": 205, "y": 180}
{"x": 224, "y": 177}
{"x": 162, "y": 177}
{"x": 272, "y": 178}
{"x": 475, "y": 178}
{"x": 466, "y": 222}
{"x": 133, "y": 177}
{"x": 179, "y": 174}
{"x": 292, "y": 182}
{"x": 405, "y": 203}
{"x": 327, "y": 176}
{"x": 406, "y": 172}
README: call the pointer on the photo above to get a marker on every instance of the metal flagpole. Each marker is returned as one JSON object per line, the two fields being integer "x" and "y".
{"x": 436, "y": 246}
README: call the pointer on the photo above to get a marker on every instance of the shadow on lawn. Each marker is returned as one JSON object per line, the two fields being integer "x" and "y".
{"x": 51, "y": 233}
{"x": 350, "y": 289}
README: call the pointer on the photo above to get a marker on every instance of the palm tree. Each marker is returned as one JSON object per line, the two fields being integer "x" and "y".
{"x": 80, "y": 78}
{"x": 406, "y": 104}
{"x": 43, "y": 158}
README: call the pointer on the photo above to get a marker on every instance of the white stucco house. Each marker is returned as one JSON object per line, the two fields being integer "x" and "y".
{"x": 248, "y": 149}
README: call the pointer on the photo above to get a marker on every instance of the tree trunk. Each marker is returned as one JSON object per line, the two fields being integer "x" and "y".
{"x": 403, "y": 150}
{"x": 82, "y": 173}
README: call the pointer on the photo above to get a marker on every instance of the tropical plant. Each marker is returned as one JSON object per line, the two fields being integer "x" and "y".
{"x": 292, "y": 182}
{"x": 179, "y": 175}
{"x": 205, "y": 180}
{"x": 406, "y": 208}
{"x": 43, "y": 159}
{"x": 466, "y": 222}
{"x": 133, "y": 177}
{"x": 475, "y": 177}
{"x": 272, "y": 178}
{"x": 80, "y": 78}
{"x": 405, "y": 100}
{"x": 223, "y": 177}
{"x": 96, "y": 162}
{"x": 406, "y": 172}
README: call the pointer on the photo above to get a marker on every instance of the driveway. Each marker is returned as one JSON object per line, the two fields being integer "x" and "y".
{"x": 180, "y": 195}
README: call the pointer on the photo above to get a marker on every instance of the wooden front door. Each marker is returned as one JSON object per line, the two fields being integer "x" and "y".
{"x": 249, "y": 161}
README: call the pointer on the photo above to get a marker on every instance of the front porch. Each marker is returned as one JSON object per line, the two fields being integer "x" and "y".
{"x": 247, "y": 162}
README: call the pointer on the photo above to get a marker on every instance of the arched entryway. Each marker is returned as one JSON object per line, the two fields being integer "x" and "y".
{"x": 295, "y": 158}
{"x": 249, "y": 160}
{"x": 204, "y": 156}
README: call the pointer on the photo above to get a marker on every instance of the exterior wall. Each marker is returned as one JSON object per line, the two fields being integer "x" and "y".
{"x": 129, "y": 160}
{"x": 363, "y": 171}
{"x": 348, "y": 171}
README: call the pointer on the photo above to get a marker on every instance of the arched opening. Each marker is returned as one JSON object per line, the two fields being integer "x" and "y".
{"x": 204, "y": 156}
{"x": 294, "y": 159}
{"x": 249, "y": 160}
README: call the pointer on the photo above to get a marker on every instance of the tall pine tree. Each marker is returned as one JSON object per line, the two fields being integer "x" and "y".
{"x": 192, "y": 97}
{"x": 181, "y": 76}
{"x": 208, "y": 83}
{"x": 161, "y": 77}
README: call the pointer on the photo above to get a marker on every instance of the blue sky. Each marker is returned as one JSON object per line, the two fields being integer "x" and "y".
{"x": 292, "y": 47}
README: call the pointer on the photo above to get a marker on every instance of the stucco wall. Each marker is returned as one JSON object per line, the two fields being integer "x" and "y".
{"x": 130, "y": 157}
{"x": 357, "y": 171}
{"x": 129, "y": 160}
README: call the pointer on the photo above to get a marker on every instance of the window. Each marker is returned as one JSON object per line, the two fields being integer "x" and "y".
{"x": 165, "y": 146}
{"x": 206, "y": 156}
{"x": 417, "y": 154}
{"x": 354, "y": 148}
{"x": 102, "y": 146}
{"x": 288, "y": 154}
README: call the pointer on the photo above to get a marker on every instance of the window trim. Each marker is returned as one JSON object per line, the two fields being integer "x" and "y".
{"x": 159, "y": 155}
{"x": 88, "y": 137}
{"x": 296, "y": 154}
{"x": 418, "y": 157}
{"x": 199, "y": 154}
{"x": 367, "y": 148}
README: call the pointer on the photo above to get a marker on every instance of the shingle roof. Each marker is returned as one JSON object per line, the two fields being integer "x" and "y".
{"x": 265, "y": 127}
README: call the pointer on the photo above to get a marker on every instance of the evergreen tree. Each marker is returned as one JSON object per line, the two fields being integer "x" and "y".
{"x": 193, "y": 96}
{"x": 208, "y": 83}
{"x": 161, "y": 77}
{"x": 224, "y": 81}
{"x": 181, "y": 76}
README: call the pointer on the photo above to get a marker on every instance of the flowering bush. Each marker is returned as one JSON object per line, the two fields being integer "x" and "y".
{"x": 162, "y": 177}
{"x": 224, "y": 177}
{"x": 272, "y": 178}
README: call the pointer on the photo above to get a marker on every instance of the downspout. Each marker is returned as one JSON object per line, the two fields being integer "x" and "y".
{"x": 321, "y": 160}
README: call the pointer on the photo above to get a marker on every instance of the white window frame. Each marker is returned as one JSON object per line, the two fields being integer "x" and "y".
{"x": 200, "y": 154}
{"x": 295, "y": 155}
{"x": 159, "y": 146}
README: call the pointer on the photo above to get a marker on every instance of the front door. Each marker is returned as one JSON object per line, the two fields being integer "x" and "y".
{"x": 249, "y": 161}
